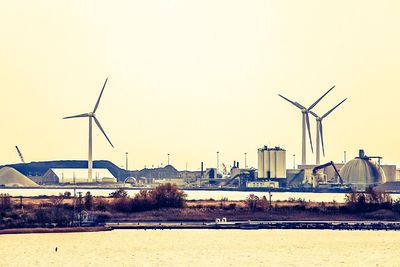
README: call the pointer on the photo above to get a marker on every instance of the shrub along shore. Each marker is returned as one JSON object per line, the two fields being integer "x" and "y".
{"x": 166, "y": 203}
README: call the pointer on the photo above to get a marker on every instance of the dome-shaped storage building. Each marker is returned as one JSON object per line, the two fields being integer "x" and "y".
{"x": 362, "y": 172}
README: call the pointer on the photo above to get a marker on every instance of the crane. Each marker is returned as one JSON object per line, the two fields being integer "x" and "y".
{"x": 20, "y": 154}
{"x": 224, "y": 171}
{"x": 326, "y": 165}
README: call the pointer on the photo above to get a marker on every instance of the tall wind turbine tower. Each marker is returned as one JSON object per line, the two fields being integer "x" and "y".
{"x": 306, "y": 124}
{"x": 320, "y": 136}
{"x": 92, "y": 116}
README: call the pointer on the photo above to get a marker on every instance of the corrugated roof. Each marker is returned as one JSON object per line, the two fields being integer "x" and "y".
{"x": 82, "y": 173}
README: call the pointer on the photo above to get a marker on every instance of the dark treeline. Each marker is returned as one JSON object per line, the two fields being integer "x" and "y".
{"x": 163, "y": 196}
{"x": 58, "y": 213}
{"x": 355, "y": 202}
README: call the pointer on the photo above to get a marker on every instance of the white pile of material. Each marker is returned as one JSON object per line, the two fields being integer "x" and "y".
{"x": 12, "y": 177}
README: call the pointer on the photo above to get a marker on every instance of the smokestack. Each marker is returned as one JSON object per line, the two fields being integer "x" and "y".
{"x": 361, "y": 153}
{"x": 202, "y": 170}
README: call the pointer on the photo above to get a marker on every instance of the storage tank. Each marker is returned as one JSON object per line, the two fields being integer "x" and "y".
{"x": 271, "y": 162}
{"x": 260, "y": 162}
{"x": 362, "y": 172}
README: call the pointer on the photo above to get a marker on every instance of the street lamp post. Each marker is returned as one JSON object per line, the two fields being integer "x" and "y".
{"x": 270, "y": 196}
{"x": 126, "y": 160}
{"x": 294, "y": 161}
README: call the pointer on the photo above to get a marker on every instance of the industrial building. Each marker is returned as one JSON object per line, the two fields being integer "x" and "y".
{"x": 271, "y": 168}
{"x": 72, "y": 176}
{"x": 362, "y": 172}
{"x": 211, "y": 173}
{"x": 262, "y": 184}
{"x": 271, "y": 162}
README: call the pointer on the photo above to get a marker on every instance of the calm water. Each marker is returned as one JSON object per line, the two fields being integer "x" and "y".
{"x": 203, "y": 248}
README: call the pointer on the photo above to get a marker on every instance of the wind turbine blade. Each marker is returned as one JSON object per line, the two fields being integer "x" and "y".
{"x": 77, "y": 116}
{"x": 319, "y": 99}
{"x": 292, "y": 102}
{"x": 98, "y": 100}
{"x": 322, "y": 138}
{"x": 101, "y": 129}
{"x": 309, "y": 131}
{"x": 329, "y": 112}
{"x": 313, "y": 113}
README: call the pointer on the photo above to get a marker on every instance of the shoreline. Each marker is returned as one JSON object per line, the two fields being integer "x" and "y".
{"x": 258, "y": 225}
{"x": 235, "y": 225}
{"x": 42, "y": 230}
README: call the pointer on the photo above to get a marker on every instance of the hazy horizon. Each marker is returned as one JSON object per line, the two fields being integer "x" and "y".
{"x": 192, "y": 78}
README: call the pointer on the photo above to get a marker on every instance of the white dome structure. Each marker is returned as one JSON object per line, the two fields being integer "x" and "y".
{"x": 130, "y": 180}
{"x": 362, "y": 172}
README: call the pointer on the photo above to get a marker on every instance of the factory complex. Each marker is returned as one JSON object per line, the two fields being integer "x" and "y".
{"x": 272, "y": 172}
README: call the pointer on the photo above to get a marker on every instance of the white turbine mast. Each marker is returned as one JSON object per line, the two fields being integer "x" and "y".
{"x": 306, "y": 124}
{"x": 320, "y": 135}
{"x": 92, "y": 116}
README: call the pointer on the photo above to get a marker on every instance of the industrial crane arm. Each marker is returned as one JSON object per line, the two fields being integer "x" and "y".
{"x": 326, "y": 165}
{"x": 20, "y": 154}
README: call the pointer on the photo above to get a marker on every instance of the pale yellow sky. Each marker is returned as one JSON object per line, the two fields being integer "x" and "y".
{"x": 191, "y": 78}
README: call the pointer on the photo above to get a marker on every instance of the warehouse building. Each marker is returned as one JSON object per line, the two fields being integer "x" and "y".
{"x": 72, "y": 176}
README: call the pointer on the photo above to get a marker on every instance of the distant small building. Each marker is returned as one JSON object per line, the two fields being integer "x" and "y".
{"x": 72, "y": 176}
{"x": 295, "y": 177}
{"x": 190, "y": 174}
{"x": 328, "y": 172}
{"x": 390, "y": 172}
{"x": 177, "y": 181}
{"x": 211, "y": 173}
{"x": 262, "y": 184}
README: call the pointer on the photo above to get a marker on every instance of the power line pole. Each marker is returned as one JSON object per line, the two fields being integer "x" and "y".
{"x": 126, "y": 160}
{"x": 217, "y": 164}
{"x": 294, "y": 161}
{"x": 186, "y": 172}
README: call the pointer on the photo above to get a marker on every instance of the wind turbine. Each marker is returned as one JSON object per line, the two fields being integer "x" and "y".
{"x": 306, "y": 123}
{"x": 92, "y": 116}
{"x": 320, "y": 136}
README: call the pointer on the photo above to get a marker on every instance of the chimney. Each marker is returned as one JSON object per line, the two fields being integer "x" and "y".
{"x": 361, "y": 153}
